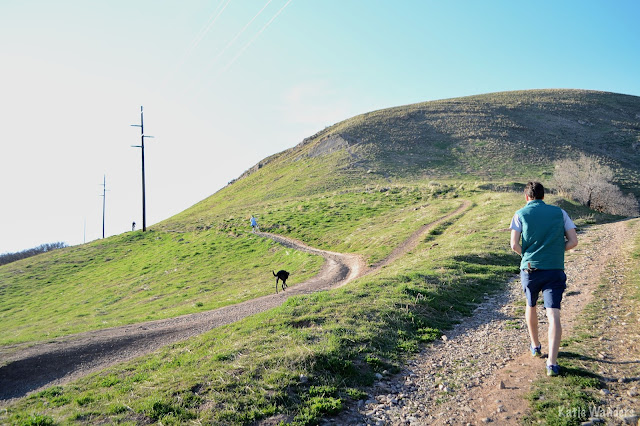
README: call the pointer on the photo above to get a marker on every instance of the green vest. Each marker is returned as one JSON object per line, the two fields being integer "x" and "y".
{"x": 542, "y": 236}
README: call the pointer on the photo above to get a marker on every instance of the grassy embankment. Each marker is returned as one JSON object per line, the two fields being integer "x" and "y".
{"x": 137, "y": 277}
{"x": 306, "y": 358}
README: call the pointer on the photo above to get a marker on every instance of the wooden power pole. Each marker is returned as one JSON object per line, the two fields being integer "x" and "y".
{"x": 141, "y": 146}
{"x": 104, "y": 200}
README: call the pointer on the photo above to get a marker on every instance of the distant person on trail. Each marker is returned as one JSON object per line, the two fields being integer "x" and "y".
{"x": 546, "y": 232}
{"x": 254, "y": 224}
{"x": 133, "y": 226}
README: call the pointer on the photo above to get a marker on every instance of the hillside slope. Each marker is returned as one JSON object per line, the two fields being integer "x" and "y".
{"x": 358, "y": 175}
{"x": 363, "y": 186}
{"x": 494, "y": 137}
{"x": 497, "y": 135}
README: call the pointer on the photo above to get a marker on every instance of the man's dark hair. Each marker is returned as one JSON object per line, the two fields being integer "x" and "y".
{"x": 534, "y": 190}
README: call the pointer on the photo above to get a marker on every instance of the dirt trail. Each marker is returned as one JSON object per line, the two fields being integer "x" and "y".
{"x": 28, "y": 368}
{"x": 504, "y": 404}
{"x": 481, "y": 371}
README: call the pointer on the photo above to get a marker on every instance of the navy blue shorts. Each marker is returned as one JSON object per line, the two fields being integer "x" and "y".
{"x": 551, "y": 282}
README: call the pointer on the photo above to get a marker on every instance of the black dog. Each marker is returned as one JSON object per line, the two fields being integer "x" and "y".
{"x": 281, "y": 275}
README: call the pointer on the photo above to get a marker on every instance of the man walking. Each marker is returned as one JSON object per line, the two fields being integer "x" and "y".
{"x": 546, "y": 232}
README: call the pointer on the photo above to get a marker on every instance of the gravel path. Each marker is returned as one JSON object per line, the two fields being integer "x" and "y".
{"x": 480, "y": 371}
{"x": 29, "y": 368}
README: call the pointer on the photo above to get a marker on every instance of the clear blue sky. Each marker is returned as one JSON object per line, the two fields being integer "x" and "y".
{"x": 225, "y": 83}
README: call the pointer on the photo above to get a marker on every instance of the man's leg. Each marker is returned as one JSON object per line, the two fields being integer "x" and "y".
{"x": 532, "y": 324}
{"x": 555, "y": 334}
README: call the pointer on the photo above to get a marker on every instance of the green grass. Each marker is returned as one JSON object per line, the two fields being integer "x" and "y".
{"x": 163, "y": 273}
{"x": 251, "y": 369}
{"x": 371, "y": 223}
{"x": 138, "y": 277}
{"x": 564, "y": 400}
{"x": 337, "y": 340}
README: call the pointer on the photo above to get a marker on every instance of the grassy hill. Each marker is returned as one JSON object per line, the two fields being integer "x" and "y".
{"x": 495, "y": 136}
{"x": 363, "y": 185}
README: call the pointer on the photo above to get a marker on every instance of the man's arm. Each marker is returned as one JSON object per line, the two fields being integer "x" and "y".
{"x": 515, "y": 241}
{"x": 572, "y": 239}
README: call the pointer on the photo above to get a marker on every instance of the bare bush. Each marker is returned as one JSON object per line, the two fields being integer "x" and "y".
{"x": 589, "y": 182}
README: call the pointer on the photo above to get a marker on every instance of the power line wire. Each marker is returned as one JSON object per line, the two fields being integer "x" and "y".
{"x": 198, "y": 39}
{"x": 213, "y": 61}
{"x": 208, "y": 27}
{"x": 241, "y": 31}
{"x": 246, "y": 46}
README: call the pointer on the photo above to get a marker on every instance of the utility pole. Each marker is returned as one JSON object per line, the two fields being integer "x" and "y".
{"x": 141, "y": 146}
{"x": 104, "y": 199}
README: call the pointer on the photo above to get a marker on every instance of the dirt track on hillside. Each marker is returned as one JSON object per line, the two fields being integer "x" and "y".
{"x": 481, "y": 371}
{"x": 25, "y": 369}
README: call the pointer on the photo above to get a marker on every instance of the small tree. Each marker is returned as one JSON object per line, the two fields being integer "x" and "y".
{"x": 590, "y": 183}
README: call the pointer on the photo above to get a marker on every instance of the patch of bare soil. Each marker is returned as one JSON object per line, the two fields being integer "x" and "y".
{"x": 32, "y": 367}
{"x": 481, "y": 371}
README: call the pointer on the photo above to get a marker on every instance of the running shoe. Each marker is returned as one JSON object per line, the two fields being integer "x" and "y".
{"x": 553, "y": 370}
{"x": 536, "y": 350}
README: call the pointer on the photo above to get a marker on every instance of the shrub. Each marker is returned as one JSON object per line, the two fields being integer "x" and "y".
{"x": 590, "y": 183}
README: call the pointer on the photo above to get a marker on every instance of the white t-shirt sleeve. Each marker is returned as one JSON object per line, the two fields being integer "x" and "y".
{"x": 515, "y": 223}
{"x": 568, "y": 223}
